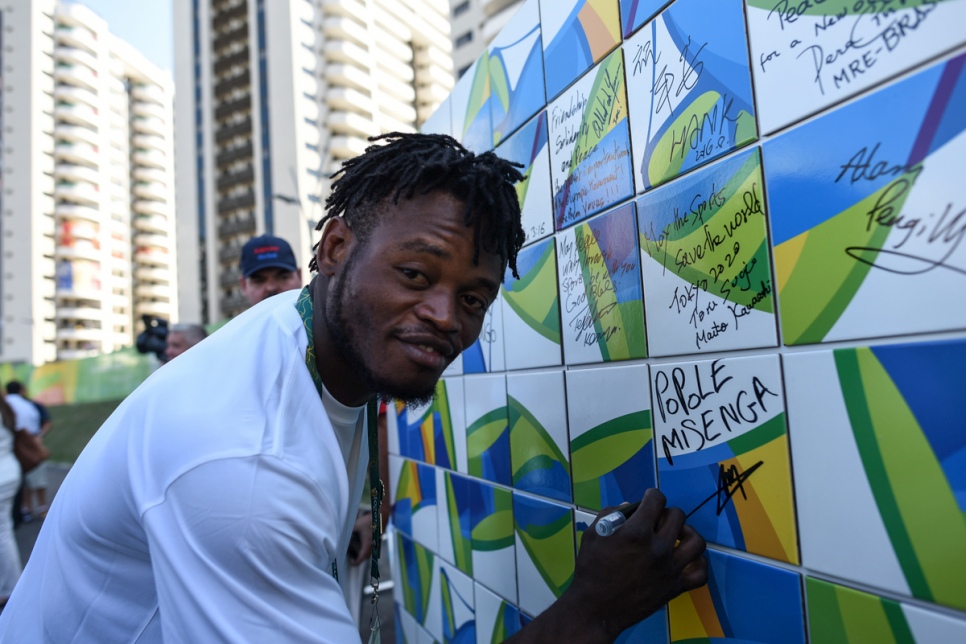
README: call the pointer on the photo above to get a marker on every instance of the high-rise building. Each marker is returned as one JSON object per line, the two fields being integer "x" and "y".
{"x": 88, "y": 185}
{"x": 475, "y": 23}
{"x": 272, "y": 97}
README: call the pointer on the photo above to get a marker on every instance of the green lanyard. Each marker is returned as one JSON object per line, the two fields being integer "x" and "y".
{"x": 304, "y": 306}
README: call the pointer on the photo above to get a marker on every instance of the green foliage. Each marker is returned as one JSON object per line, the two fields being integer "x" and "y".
{"x": 73, "y": 425}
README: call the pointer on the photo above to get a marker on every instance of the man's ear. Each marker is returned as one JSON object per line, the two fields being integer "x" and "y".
{"x": 337, "y": 240}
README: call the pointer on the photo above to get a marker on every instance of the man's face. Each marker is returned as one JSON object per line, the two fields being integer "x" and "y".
{"x": 177, "y": 344}
{"x": 409, "y": 299}
{"x": 267, "y": 282}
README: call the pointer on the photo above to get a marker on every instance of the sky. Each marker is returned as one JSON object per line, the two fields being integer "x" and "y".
{"x": 146, "y": 24}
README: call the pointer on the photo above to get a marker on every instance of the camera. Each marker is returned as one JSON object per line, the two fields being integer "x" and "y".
{"x": 154, "y": 338}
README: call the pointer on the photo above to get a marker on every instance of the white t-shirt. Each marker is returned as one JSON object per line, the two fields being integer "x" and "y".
{"x": 208, "y": 508}
{"x": 28, "y": 416}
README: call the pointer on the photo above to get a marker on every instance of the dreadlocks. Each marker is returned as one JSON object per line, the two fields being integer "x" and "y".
{"x": 411, "y": 164}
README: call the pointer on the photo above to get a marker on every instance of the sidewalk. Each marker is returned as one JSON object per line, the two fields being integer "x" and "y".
{"x": 27, "y": 535}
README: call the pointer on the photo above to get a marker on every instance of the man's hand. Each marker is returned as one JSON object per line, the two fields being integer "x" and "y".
{"x": 361, "y": 540}
{"x": 621, "y": 579}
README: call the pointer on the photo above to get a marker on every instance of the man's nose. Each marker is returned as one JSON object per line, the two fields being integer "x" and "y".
{"x": 438, "y": 307}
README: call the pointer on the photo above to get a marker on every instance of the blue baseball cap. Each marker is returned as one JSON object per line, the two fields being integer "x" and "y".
{"x": 266, "y": 251}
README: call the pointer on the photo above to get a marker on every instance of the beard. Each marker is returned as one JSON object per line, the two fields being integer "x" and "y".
{"x": 346, "y": 340}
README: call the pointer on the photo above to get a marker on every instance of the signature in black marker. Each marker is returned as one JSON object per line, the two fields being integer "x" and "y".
{"x": 730, "y": 482}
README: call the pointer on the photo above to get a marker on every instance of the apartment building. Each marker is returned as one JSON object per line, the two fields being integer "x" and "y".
{"x": 475, "y": 23}
{"x": 272, "y": 97}
{"x": 88, "y": 185}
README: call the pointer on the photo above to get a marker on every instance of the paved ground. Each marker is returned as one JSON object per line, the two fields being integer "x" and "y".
{"x": 27, "y": 535}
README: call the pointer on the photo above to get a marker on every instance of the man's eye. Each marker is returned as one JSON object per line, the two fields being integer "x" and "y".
{"x": 475, "y": 303}
{"x": 412, "y": 274}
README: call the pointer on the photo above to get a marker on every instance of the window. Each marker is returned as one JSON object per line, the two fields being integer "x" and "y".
{"x": 465, "y": 39}
{"x": 461, "y": 8}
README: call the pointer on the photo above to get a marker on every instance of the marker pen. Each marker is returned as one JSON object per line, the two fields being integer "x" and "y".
{"x": 606, "y": 526}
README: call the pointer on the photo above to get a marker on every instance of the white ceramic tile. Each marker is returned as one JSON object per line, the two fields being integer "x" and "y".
{"x": 488, "y": 438}
{"x": 537, "y": 412}
{"x": 458, "y": 608}
{"x": 494, "y": 554}
{"x": 805, "y": 62}
{"x": 531, "y": 310}
{"x": 610, "y": 407}
{"x": 545, "y": 562}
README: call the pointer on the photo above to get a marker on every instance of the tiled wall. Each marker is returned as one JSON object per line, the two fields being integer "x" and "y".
{"x": 744, "y": 282}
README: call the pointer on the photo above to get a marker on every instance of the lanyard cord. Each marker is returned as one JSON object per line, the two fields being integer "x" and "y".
{"x": 378, "y": 490}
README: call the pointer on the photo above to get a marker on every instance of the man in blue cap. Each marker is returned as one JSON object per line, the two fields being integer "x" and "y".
{"x": 268, "y": 268}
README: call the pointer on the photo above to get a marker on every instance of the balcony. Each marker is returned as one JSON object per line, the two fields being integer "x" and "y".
{"x": 85, "y": 233}
{"x": 153, "y": 290}
{"x": 149, "y": 141}
{"x": 71, "y": 152}
{"x": 236, "y": 226}
{"x": 79, "y": 250}
{"x": 344, "y": 52}
{"x": 229, "y": 277}
{"x": 77, "y": 114}
{"x": 351, "y": 124}
{"x": 239, "y": 34}
{"x": 148, "y": 92}
{"x": 240, "y": 57}
{"x": 75, "y": 211}
{"x": 344, "y": 28}
{"x": 70, "y": 308}
{"x": 234, "y": 154}
{"x": 76, "y": 75}
{"x": 233, "y": 304}
{"x": 492, "y": 7}
{"x": 242, "y": 104}
{"x": 151, "y": 174}
{"x": 154, "y": 158}
{"x": 245, "y": 175}
{"x": 76, "y": 37}
{"x": 72, "y": 94}
{"x": 148, "y": 125}
{"x": 154, "y": 255}
{"x": 243, "y": 200}
{"x": 145, "y": 241}
{"x": 148, "y": 207}
{"x": 347, "y": 75}
{"x": 150, "y": 190}
{"x": 152, "y": 274}
{"x": 82, "y": 193}
{"x": 347, "y": 147}
{"x": 71, "y": 172}
{"x": 79, "y": 334}
{"x": 228, "y": 254}
{"x": 151, "y": 224}
{"x": 393, "y": 88}
{"x": 221, "y": 15}
{"x": 74, "y": 133}
{"x": 238, "y": 129}
{"x": 344, "y": 98}
{"x": 149, "y": 109}
{"x": 226, "y": 85}
{"x": 76, "y": 56}
{"x": 161, "y": 309}
{"x": 343, "y": 8}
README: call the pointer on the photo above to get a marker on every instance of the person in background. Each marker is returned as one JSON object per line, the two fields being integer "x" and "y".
{"x": 10, "y": 477}
{"x": 182, "y": 337}
{"x": 20, "y": 514}
{"x": 268, "y": 268}
{"x": 35, "y": 482}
